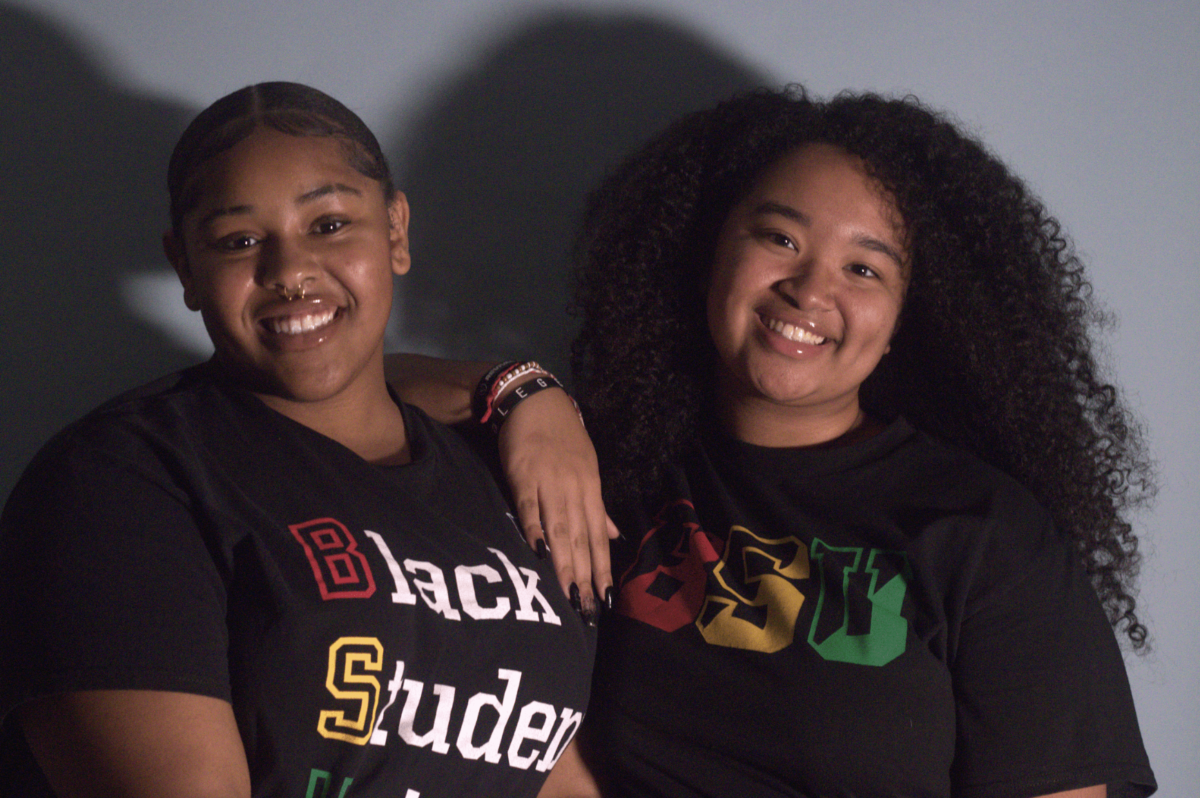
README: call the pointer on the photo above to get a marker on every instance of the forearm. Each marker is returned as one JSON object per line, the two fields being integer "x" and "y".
{"x": 442, "y": 388}
{"x": 545, "y": 452}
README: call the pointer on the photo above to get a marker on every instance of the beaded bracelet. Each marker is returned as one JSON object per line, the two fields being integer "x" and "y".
{"x": 507, "y": 378}
{"x": 483, "y": 395}
{"x": 494, "y": 383}
{"x": 519, "y": 394}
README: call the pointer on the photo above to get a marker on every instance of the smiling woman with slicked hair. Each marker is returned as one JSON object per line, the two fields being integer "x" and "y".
{"x": 265, "y": 575}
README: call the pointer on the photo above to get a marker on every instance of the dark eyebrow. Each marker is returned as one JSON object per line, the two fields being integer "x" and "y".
{"x": 866, "y": 242}
{"x": 766, "y": 208}
{"x": 217, "y": 213}
{"x": 326, "y": 190}
{"x": 308, "y": 196}
{"x": 874, "y": 244}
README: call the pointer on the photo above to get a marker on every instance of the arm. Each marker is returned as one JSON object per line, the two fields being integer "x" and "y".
{"x": 547, "y": 457}
{"x": 1096, "y": 791}
{"x": 442, "y": 388}
{"x": 137, "y": 743}
{"x": 110, "y": 585}
{"x": 571, "y": 777}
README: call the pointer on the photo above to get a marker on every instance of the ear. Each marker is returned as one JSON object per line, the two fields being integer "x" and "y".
{"x": 173, "y": 249}
{"x": 398, "y": 233}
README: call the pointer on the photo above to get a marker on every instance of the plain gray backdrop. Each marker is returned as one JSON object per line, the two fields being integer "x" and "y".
{"x": 499, "y": 115}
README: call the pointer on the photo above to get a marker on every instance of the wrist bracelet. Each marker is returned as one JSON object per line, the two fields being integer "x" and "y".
{"x": 520, "y": 394}
{"x": 482, "y": 396}
{"x": 510, "y": 372}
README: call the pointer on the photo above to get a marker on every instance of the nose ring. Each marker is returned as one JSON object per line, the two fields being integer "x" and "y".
{"x": 288, "y": 294}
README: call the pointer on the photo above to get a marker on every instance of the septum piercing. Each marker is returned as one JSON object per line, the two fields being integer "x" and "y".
{"x": 287, "y": 295}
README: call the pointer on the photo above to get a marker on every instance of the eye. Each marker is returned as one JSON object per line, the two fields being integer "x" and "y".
{"x": 235, "y": 242}
{"x": 778, "y": 239}
{"x": 863, "y": 270}
{"x": 328, "y": 226}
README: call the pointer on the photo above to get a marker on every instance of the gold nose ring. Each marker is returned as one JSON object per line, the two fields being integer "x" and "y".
{"x": 287, "y": 294}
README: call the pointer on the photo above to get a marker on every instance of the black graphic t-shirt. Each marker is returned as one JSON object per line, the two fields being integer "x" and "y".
{"x": 890, "y": 618}
{"x": 380, "y": 631}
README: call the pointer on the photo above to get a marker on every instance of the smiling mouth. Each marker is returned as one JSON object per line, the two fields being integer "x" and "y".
{"x": 299, "y": 324}
{"x": 793, "y": 333}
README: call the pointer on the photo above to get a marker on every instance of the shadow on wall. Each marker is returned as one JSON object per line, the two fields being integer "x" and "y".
{"x": 84, "y": 201}
{"x": 499, "y": 163}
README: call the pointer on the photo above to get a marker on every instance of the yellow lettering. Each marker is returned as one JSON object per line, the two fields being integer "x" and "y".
{"x": 351, "y": 661}
{"x": 768, "y": 565}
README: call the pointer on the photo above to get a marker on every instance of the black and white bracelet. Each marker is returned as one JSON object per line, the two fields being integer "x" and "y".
{"x": 500, "y": 410}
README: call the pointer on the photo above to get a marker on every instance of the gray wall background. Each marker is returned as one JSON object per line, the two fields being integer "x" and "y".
{"x": 499, "y": 115}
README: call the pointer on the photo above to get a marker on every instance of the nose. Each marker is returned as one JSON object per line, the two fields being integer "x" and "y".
{"x": 286, "y": 267}
{"x": 810, "y": 286}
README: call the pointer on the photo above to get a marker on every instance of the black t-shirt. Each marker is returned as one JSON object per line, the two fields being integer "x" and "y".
{"x": 889, "y": 618}
{"x": 378, "y": 630}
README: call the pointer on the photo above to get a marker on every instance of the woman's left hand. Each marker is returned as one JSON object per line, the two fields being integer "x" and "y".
{"x": 551, "y": 466}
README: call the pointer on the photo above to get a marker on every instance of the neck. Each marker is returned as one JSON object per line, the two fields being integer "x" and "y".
{"x": 765, "y": 423}
{"x": 364, "y": 420}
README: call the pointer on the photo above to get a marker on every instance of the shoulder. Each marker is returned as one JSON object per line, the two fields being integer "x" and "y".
{"x": 989, "y": 545}
{"x": 943, "y": 478}
{"x": 142, "y": 430}
{"x": 924, "y": 474}
{"x": 952, "y": 471}
{"x": 167, "y": 403}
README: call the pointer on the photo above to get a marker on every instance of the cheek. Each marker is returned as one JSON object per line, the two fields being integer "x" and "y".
{"x": 731, "y": 286}
{"x": 878, "y": 319}
{"x": 223, "y": 293}
{"x": 373, "y": 278}
{"x": 720, "y": 316}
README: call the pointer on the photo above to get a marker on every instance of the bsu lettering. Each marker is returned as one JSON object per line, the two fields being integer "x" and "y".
{"x": 757, "y": 611}
{"x": 846, "y": 629}
{"x": 748, "y": 592}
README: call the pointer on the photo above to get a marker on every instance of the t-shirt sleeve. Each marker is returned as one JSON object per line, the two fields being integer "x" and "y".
{"x": 1043, "y": 701}
{"x": 109, "y": 583}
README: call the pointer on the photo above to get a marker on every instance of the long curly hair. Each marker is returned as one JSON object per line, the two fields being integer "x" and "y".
{"x": 994, "y": 350}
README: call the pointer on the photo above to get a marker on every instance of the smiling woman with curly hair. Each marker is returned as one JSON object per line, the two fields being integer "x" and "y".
{"x": 838, "y": 362}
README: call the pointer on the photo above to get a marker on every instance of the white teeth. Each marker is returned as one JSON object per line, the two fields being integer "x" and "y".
{"x": 294, "y": 325}
{"x": 793, "y": 333}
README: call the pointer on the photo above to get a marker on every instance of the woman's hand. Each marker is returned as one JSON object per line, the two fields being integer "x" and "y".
{"x": 549, "y": 462}
{"x": 551, "y": 467}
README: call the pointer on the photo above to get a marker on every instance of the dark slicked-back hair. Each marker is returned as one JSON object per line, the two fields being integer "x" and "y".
{"x": 291, "y": 108}
{"x": 994, "y": 350}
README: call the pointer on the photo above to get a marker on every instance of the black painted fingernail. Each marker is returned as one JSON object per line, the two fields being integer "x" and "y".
{"x": 576, "y": 601}
{"x": 609, "y": 598}
{"x": 542, "y": 549}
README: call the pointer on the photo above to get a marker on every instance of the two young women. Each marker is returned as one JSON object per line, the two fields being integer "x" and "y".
{"x": 815, "y": 335}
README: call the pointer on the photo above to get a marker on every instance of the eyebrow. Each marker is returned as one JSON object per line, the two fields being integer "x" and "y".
{"x": 306, "y": 197}
{"x": 775, "y": 208}
{"x": 326, "y": 190}
{"x": 864, "y": 241}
